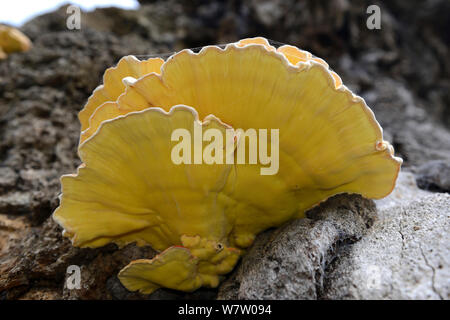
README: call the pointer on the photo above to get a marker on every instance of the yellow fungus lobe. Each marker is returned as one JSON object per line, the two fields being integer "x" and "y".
{"x": 12, "y": 40}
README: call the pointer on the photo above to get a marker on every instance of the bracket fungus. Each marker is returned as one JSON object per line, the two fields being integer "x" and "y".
{"x": 202, "y": 216}
{"x": 12, "y": 40}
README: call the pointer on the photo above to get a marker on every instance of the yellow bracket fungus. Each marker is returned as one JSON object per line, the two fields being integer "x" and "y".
{"x": 12, "y": 40}
{"x": 202, "y": 216}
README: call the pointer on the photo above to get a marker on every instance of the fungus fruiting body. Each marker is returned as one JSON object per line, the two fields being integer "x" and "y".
{"x": 12, "y": 40}
{"x": 202, "y": 216}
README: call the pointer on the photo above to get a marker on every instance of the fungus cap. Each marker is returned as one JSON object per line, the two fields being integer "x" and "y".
{"x": 12, "y": 40}
{"x": 113, "y": 86}
{"x": 129, "y": 189}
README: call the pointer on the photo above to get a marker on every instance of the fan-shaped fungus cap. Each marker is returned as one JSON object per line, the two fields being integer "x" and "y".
{"x": 129, "y": 189}
{"x": 12, "y": 40}
{"x": 113, "y": 85}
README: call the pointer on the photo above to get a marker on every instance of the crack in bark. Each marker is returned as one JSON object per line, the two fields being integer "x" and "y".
{"x": 433, "y": 270}
{"x": 402, "y": 211}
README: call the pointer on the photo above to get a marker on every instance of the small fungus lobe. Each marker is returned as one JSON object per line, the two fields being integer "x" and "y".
{"x": 12, "y": 40}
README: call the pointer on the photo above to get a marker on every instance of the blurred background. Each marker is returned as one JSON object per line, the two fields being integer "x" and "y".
{"x": 21, "y": 11}
{"x": 401, "y": 70}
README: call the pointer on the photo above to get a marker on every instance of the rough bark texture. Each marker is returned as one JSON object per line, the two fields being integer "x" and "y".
{"x": 291, "y": 262}
{"x": 401, "y": 70}
{"x": 345, "y": 249}
{"x": 405, "y": 256}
